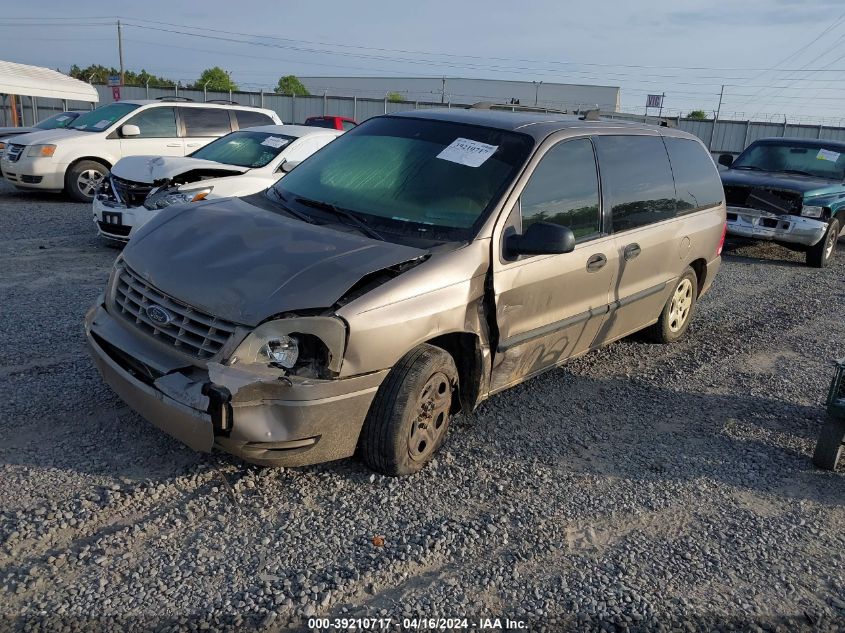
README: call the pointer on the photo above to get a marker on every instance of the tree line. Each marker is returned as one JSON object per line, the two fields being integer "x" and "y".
{"x": 214, "y": 79}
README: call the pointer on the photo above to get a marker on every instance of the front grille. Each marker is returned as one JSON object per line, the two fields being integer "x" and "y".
{"x": 192, "y": 331}
{"x": 764, "y": 199}
{"x": 14, "y": 151}
{"x": 132, "y": 194}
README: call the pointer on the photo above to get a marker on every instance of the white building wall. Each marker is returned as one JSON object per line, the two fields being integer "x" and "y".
{"x": 458, "y": 90}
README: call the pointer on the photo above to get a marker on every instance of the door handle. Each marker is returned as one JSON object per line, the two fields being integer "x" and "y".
{"x": 631, "y": 251}
{"x": 596, "y": 262}
{"x": 173, "y": 145}
{"x": 192, "y": 145}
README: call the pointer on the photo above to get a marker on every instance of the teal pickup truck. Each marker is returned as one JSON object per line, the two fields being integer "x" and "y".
{"x": 790, "y": 191}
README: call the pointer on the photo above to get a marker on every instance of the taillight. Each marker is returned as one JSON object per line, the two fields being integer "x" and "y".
{"x": 722, "y": 240}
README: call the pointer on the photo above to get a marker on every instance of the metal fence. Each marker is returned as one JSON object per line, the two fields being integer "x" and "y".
{"x": 723, "y": 136}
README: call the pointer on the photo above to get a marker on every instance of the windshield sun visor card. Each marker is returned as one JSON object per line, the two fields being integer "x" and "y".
{"x": 467, "y": 152}
{"x": 826, "y": 154}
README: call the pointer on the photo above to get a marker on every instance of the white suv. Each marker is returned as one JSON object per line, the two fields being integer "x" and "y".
{"x": 77, "y": 158}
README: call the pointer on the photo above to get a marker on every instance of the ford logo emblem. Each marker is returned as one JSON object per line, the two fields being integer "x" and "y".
{"x": 158, "y": 315}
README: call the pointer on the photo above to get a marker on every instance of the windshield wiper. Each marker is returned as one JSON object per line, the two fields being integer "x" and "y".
{"x": 280, "y": 202}
{"x": 344, "y": 213}
{"x": 796, "y": 171}
{"x": 752, "y": 167}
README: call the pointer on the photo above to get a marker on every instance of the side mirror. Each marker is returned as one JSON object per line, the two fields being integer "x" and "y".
{"x": 130, "y": 130}
{"x": 726, "y": 159}
{"x": 288, "y": 166}
{"x": 541, "y": 238}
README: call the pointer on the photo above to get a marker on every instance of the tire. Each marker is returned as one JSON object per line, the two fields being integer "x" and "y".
{"x": 677, "y": 312}
{"x": 829, "y": 445}
{"x": 821, "y": 254}
{"x": 82, "y": 179}
{"x": 409, "y": 417}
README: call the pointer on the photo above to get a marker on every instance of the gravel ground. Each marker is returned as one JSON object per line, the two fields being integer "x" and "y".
{"x": 640, "y": 487}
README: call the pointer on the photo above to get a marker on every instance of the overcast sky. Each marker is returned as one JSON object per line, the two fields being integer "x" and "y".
{"x": 776, "y": 56}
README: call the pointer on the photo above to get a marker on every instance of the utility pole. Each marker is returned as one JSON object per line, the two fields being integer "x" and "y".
{"x": 719, "y": 107}
{"x": 120, "y": 50}
{"x": 443, "y": 91}
{"x": 537, "y": 85}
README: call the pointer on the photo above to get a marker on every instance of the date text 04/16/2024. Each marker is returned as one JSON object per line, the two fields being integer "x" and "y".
{"x": 416, "y": 624}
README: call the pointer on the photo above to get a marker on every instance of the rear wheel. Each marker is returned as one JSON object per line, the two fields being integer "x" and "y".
{"x": 677, "y": 312}
{"x": 821, "y": 254}
{"x": 409, "y": 416}
{"x": 83, "y": 178}
{"x": 829, "y": 445}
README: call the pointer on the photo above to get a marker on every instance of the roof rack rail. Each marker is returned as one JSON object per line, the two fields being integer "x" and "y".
{"x": 515, "y": 107}
{"x": 223, "y": 101}
{"x": 173, "y": 99}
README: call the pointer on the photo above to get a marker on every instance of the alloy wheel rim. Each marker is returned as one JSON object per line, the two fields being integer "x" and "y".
{"x": 431, "y": 417}
{"x": 88, "y": 181}
{"x": 831, "y": 242}
{"x": 679, "y": 307}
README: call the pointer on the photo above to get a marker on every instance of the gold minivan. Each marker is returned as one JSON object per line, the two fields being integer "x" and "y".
{"x": 413, "y": 267}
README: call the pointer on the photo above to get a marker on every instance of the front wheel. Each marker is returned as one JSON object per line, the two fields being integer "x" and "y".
{"x": 829, "y": 445}
{"x": 819, "y": 256}
{"x": 409, "y": 416}
{"x": 678, "y": 310}
{"x": 83, "y": 178}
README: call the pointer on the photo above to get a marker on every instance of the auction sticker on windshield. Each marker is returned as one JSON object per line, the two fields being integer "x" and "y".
{"x": 274, "y": 141}
{"x": 101, "y": 124}
{"x": 826, "y": 154}
{"x": 467, "y": 152}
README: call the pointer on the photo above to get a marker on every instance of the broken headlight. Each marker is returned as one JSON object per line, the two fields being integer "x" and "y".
{"x": 165, "y": 197}
{"x": 306, "y": 346}
{"x": 812, "y": 211}
{"x": 282, "y": 350}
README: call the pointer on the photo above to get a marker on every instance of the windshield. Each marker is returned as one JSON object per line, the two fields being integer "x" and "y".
{"x": 245, "y": 149}
{"x": 99, "y": 119}
{"x": 803, "y": 159}
{"x": 57, "y": 121}
{"x": 321, "y": 122}
{"x": 434, "y": 177}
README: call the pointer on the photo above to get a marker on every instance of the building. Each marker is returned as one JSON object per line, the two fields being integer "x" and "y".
{"x": 465, "y": 91}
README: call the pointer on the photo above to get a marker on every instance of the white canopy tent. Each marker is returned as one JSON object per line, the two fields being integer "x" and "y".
{"x": 34, "y": 81}
{"x": 21, "y": 80}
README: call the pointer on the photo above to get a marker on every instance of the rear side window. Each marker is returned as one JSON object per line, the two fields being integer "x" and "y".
{"x": 157, "y": 122}
{"x": 637, "y": 179}
{"x": 697, "y": 182}
{"x": 564, "y": 189}
{"x": 205, "y": 121}
{"x": 347, "y": 125}
{"x": 252, "y": 119}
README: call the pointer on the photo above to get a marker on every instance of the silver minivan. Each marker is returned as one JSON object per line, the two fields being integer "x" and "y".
{"x": 417, "y": 265}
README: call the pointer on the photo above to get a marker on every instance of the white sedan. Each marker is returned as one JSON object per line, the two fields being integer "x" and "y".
{"x": 238, "y": 164}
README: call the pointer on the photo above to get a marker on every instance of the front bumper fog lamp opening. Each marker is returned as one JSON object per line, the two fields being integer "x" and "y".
{"x": 281, "y": 350}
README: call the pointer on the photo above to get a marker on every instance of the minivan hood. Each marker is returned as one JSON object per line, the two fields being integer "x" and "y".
{"x": 152, "y": 169}
{"x": 46, "y": 136}
{"x": 807, "y": 185}
{"x": 17, "y": 131}
{"x": 245, "y": 263}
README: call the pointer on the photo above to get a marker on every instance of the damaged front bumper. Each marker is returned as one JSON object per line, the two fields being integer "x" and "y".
{"x": 762, "y": 225}
{"x": 116, "y": 221}
{"x": 253, "y": 412}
